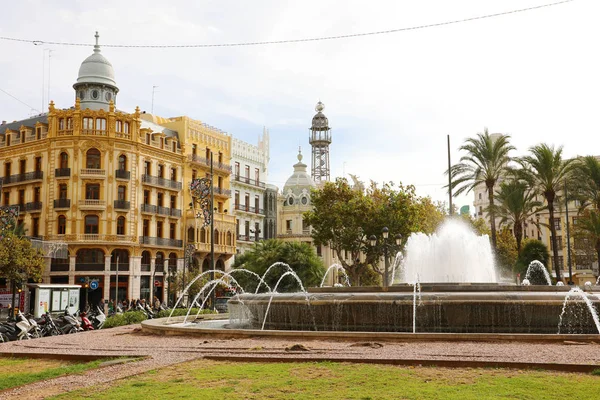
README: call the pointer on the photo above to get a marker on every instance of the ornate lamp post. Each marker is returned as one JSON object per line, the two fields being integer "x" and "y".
{"x": 386, "y": 245}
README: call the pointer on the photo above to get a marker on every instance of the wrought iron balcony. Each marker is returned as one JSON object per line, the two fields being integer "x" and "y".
{"x": 122, "y": 205}
{"x": 62, "y": 172}
{"x": 222, "y": 191}
{"x": 25, "y": 177}
{"x": 155, "y": 180}
{"x": 206, "y": 161}
{"x": 62, "y": 203}
{"x": 149, "y": 208}
{"x": 247, "y": 180}
{"x": 156, "y": 241}
{"x": 249, "y": 209}
{"x": 122, "y": 174}
{"x": 163, "y": 210}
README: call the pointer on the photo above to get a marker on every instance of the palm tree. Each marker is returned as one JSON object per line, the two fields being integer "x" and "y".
{"x": 516, "y": 203}
{"x": 485, "y": 162}
{"x": 546, "y": 171}
{"x": 589, "y": 224}
{"x": 585, "y": 185}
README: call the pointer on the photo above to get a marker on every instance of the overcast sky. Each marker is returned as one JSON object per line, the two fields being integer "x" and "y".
{"x": 391, "y": 99}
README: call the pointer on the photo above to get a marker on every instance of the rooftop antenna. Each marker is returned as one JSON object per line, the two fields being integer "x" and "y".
{"x": 152, "y": 108}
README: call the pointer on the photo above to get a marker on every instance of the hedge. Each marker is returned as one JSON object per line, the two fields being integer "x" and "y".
{"x": 135, "y": 317}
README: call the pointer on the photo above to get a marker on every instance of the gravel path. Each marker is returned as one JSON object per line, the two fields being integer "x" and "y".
{"x": 161, "y": 351}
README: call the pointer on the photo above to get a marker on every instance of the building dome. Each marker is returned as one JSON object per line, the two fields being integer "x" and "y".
{"x": 96, "y": 69}
{"x": 300, "y": 181}
{"x": 96, "y": 86}
{"x": 320, "y": 121}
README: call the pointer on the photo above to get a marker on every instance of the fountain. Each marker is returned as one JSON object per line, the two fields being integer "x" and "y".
{"x": 454, "y": 273}
{"x": 537, "y": 267}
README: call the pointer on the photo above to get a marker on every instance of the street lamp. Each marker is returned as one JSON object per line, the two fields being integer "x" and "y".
{"x": 385, "y": 232}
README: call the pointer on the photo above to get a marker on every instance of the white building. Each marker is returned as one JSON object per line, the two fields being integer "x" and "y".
{"x": 250, "y": 168}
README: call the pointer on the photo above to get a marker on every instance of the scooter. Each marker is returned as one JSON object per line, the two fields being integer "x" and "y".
{"x": 85, "y": 322}
{"x": 99, "y": 318}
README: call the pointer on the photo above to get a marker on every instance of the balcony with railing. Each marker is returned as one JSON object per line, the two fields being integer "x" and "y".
{"x": 62, "y": 172}
{"x": 91, "y": 238}
{"x": 25, "y": 177}
{"x": 248, "y": 181}
{"x": 89, "y": 267}
{"x": 92, "y": 204}
{"x": 162, "y": 182}
{"x": 122, "y": 174}
{"x": 93, "y": 132}
{"x": 222, "y": 192}
{"x": 206, "y": 162}
{"x": 62, "y": 203}
{"x": 148, "y": 208}
{"x": 163, "y": 210}
{"x": 249, "y": 209}
{"x": 92, "y": 173}
{"x": 121, "y": 205}
{"x": 156, "y": 241}
{"x": 123, "y": 266}
{"x": 219, "y": 248}
{"x": 248, "y": 238}
{"x": 29, "y": 207}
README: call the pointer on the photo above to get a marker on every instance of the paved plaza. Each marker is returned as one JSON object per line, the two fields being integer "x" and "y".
{"x": 161, "y": 351}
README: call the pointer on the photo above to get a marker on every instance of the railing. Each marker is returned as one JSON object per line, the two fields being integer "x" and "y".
{"x": 122, "y": 174}
{"x": 159, "y": 268}
{"x": 249, "y": 209}
{"x": 92, "y": 203}
{"x": 219, "y": 248}
{"x": 65, "y": 132}
{"x": 93, "y": 132}
{"x": 122, "y": 205}
{"x": 175, "y": 212}
{"x": 149, "y": 208}
{"x": 62, "y": 267}
{"x": 155, "y": 180}
{"x": 89, "y": 267}
{"x": 92, "y": 172}
{"x": 27, "y": 176}
{"x": 156, "y": 241}
{"x": 163, "y": 210}
{"x": 62, "y": 172}
{"x": 122, "y": 135}
{"x": 145, "y": 268}
{"x": 221, "y": 191}
{"x": 205, "y": 161}
{"x": 245, "y": 179}
{"x": 91, "y": 237}
{"x": 123, "y": 266}
{"x": 62, "y": 203}
{"x": 248, "y": 238}
{"x": 33, "y": 206}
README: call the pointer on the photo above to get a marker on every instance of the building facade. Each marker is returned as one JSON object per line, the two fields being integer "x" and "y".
{"x": 250, "y": 169}
{"x": 113, "y": 186}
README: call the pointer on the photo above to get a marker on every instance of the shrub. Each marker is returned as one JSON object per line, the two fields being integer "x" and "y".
{"x": 115, "y": 320}
{"x": 181, "y": 312}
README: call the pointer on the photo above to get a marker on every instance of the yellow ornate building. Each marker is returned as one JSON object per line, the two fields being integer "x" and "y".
{"x": 114, "y": 187}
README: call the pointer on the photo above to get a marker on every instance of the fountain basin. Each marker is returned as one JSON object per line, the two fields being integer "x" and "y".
{"x": 441, "y": 308}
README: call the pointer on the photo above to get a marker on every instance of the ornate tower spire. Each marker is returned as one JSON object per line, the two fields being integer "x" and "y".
{"x": 320, "y": 139}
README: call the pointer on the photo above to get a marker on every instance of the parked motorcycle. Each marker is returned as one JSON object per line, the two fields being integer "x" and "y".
{"x": 98, "y": 318}
{"x": 86, "y": 324}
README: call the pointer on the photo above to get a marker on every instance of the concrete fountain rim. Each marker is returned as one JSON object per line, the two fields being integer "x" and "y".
{"x": 214, "y": 326}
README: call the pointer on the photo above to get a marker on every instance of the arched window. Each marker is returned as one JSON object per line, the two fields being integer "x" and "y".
{"x": 121, "y": 225}
{"x": 217, "y": 241}
{"x": 122, "y": 162}
{"x": 91, "y": 224}
{"x": 190, "y": 234}
{"x": 172, "y": 262}
{"x": 229, "y": 239}
{"x": 146, "y": 258}
{"x": 159, "y": 263}
{"x": 123, "y": 258}
{"x": 62, "y": 224}
{"x": 202, "y": 235}
{"x": 92, "y": 159}
{"x": 100, "y": 124}
{"x": 125, "y": 127}
{"x": 90, "y": 256}
{"x": 64, "y": 160}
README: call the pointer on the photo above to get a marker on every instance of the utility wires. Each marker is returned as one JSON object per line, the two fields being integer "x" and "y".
{"x": 301, "y": 40}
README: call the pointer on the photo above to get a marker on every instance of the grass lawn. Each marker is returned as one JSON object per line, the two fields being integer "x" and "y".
{"x": 205, "y": 380}
{"x": 21, "y": 371}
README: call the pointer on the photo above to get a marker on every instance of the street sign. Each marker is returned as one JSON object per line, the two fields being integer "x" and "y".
{"x": 94, "y": 285}
{"x": 156, "y": 283}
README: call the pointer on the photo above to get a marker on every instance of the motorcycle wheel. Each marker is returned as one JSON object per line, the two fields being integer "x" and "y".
{"x": 4, "y": 338}
{"x": 24, "y": 337}
{"x": 72, "y": 330}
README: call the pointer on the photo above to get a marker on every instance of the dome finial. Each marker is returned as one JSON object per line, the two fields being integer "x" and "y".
{"x": 299, "y": 154}
{"x": 97, "y": 46}
{"x": 319, "y": 107}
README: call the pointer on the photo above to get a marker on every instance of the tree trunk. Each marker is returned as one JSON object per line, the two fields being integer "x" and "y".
{"x": 598, "y": 251}
{"x": 553, "y": 238}
{"x": 492, "y": 214}
{"x": 518, "y": 229}
{"x": 14, "y": 289}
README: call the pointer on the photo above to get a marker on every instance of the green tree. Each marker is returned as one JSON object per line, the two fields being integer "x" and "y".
{"x": 479, "y": 225}
{"x": 516, "y": 202}
{"x": 532, "y": 250}
{"x": 344, "y": 219}
{"x": 300, "y": 256}
{"x": 506, "y": 252}
{"x": 484, "y": 164}
{"x": 589, "y": 224}
{"x": 546, "y": 170}
{"x": 19, "y": 261}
